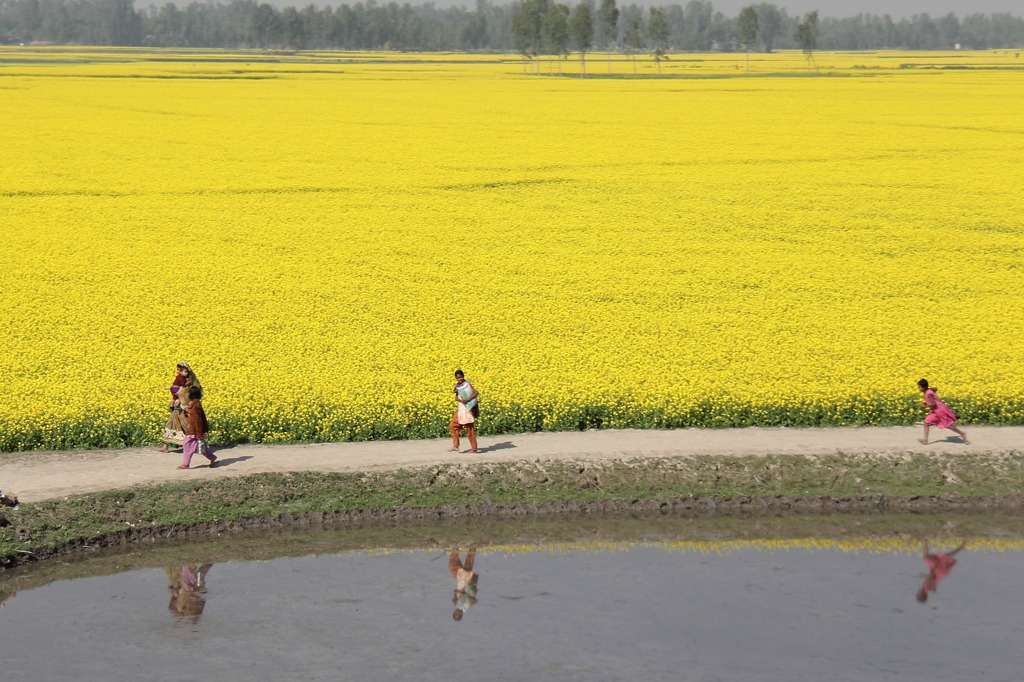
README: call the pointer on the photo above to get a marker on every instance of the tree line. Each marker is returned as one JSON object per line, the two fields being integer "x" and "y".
{"x": 531, "y": 27}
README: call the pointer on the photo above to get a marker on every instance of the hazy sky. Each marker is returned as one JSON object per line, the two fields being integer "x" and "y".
{"x": 826, "y": 8}
{"x": 894, "y": 8}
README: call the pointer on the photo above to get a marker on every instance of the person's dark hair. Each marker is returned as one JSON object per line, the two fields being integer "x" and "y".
{"x": 923, "y": 383}
{"x": 459, "y": 373}
{"x": 195, "y": 393}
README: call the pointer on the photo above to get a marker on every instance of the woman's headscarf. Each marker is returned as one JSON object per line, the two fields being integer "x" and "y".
{"x": 190, "y": 381}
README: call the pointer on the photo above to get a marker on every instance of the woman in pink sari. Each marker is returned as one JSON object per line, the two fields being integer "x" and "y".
{"x": 939, "y": 414}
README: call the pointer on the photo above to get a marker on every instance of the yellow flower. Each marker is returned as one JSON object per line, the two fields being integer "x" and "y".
{"x": 326, "y": 242}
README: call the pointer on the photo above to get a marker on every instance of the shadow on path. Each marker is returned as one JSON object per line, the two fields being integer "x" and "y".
{"x": 222, "y": 462}
{"x": 949, "y": 439}
{"x": 507, "y": 445}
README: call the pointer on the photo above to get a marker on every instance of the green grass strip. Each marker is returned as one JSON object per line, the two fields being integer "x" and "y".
{"x": 44, "y": 526}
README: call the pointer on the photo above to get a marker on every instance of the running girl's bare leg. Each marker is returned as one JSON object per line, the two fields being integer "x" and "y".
{"x": 958, "y": 431}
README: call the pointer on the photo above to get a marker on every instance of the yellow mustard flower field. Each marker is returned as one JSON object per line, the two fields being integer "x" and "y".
{"x": 885, "y": 545}
{"x": 881, "y": 544}
{"x": 326, "y": 237}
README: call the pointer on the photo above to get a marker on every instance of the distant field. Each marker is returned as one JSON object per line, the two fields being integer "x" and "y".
{"x": 326, "y": 237}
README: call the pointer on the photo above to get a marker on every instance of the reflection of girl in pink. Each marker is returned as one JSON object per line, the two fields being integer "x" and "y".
{"x": 939, "y": 413}
{"x": 939, "y": 566}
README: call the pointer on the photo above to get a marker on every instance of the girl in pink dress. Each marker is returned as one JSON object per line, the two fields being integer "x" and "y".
{"x": 938, "y": 413}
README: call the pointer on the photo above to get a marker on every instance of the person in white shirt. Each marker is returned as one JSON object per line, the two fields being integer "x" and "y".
{"x": 466, "y": 413}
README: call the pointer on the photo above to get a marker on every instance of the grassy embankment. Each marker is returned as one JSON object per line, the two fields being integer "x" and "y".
{"x": 48, "y": 528}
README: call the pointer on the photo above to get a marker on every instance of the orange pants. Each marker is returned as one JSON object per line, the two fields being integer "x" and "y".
{"x": 454, "y": 563}
{"x": 456, "y": 428}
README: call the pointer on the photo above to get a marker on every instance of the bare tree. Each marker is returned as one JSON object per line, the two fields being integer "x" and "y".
{"x": 527, "y": 28}
{"x": 634, "y": 37}
{"x": 749, "y": 27}
{"x": 556, "y": 33}
{"x": 581, "y": 32}
{"x": 609, "y": 17}
{"x": 807, "y": 37}
{"x": 657, "y": 31}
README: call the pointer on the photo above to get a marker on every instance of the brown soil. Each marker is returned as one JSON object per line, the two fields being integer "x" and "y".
{"x": 759, "y": 507}
{"x": 37, "y": 476}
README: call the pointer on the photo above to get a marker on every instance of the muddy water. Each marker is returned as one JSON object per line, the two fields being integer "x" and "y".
{"x": 615, "y": 600}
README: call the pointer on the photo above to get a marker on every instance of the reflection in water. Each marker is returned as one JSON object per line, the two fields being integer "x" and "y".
{"x": 188, "y": 591}
{"x": 465, "y": 581}
{"x": 602, "y": 603}
{"x": 6, "y": 597}
{"x": 939, "y": 566}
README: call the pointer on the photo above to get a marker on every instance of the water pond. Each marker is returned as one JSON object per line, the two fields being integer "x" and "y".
{"x": 798, "y": 598}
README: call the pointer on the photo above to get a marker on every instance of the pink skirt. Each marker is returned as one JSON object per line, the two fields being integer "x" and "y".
{"x": 941, "y": 416}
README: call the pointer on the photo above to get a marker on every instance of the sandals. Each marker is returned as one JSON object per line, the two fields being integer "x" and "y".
{"x": 182, "y": 466}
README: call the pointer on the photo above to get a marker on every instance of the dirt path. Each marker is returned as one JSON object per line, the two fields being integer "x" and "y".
{"x": 36, "y": 476}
